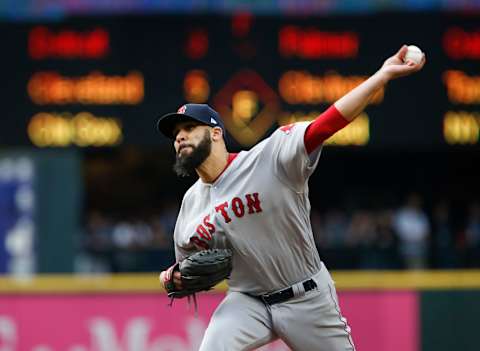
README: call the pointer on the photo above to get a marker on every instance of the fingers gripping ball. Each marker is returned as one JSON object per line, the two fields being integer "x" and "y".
{"x": 414, "y": 54}
{"x": 201, "y": 271}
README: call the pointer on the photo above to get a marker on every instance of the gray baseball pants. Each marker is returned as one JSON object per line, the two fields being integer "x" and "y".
{"x": 309, "y": 321}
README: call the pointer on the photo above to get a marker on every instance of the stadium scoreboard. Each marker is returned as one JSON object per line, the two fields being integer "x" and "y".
{"x": 103, "y": 82}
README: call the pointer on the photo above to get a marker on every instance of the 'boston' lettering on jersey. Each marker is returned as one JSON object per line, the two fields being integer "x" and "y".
{"x": 238, "y": 206}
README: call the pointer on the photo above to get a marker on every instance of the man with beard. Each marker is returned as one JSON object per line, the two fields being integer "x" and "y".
{"x": 185, "y": 164}
{"x": 256, "y": 204}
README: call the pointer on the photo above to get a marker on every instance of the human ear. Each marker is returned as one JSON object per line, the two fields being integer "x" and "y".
{"x": 217, "y": 133}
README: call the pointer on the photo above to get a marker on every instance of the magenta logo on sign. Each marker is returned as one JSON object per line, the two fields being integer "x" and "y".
{"x": 144, "y": 322}
{"x": 106, "y": 323}
{"x": 182, "y": 109}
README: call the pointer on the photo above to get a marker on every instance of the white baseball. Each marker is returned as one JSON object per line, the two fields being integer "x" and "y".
{"x": 414, "y": 54}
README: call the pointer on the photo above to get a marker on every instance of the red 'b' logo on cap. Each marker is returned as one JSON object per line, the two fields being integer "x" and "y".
{"x": 182, "y": 109}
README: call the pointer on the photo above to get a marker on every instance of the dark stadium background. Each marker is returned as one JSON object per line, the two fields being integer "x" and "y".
{"x": 86, "y": 183}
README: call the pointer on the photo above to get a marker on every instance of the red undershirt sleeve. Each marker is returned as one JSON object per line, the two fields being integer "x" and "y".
{"x": 324, "y": 126}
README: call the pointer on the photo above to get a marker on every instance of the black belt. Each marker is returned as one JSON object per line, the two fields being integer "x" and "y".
{"x": 285, "y": 294}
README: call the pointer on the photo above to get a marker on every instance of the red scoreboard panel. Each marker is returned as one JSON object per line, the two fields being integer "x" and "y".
{"x": 102, "y": 82}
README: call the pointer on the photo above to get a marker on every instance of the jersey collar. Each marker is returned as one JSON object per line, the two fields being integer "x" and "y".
{"x": 231, "y": 157}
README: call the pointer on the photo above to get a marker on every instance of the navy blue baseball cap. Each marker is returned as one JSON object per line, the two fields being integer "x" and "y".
{"x": 197, "y": 112}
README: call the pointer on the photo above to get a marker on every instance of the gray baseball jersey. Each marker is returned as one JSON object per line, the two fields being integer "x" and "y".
{"x": 259, "y": 208}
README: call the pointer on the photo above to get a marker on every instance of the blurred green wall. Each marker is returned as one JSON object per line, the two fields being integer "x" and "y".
{"x": 450, "y": 320}
{"x": 58, "y": 189}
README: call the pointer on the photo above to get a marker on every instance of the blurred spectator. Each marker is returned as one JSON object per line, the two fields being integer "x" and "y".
{"x": 413, "y": 229}
{"x": 472, "y": 235}
{"x": 371, "y": 234}
{"x": 99, "y": 232}
{"x": 97, "y": 239}
{"x": 334, "y": 229}
{"x": 161, "y": 238}
{"x": 361, "y": 231}
{"x": 168, "y": 217}
{"x": 317, "y": 228}
{"x": 443, "y": 240}
{"x": 386, "y": 237}
{"x": 329, "y": 230}
{"x": 129, "y": 244}
{"x": 473, "y": 226}
{"x": 360, "y": 239}
{"x": 386, "y": 242}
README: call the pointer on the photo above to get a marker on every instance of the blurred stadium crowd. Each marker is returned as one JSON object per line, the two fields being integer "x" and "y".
{"x": 405, "y": 237}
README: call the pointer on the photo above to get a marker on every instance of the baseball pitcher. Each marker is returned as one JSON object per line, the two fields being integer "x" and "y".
{"x": 255, "y": 205}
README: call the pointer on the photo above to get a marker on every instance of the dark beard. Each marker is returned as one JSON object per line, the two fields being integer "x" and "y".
{"x": 185, "y": 166}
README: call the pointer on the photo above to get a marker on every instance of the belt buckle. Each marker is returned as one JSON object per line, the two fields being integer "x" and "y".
{"x": 309, "y": 284}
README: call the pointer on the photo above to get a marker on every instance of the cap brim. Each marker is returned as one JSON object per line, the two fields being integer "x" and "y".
{"x": 167, "y": 123}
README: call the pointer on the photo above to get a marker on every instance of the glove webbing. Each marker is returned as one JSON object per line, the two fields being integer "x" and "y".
{"x": 193, "y": 297}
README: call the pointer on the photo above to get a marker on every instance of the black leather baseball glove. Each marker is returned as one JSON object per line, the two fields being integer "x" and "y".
{"x": 201, "y": 271}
